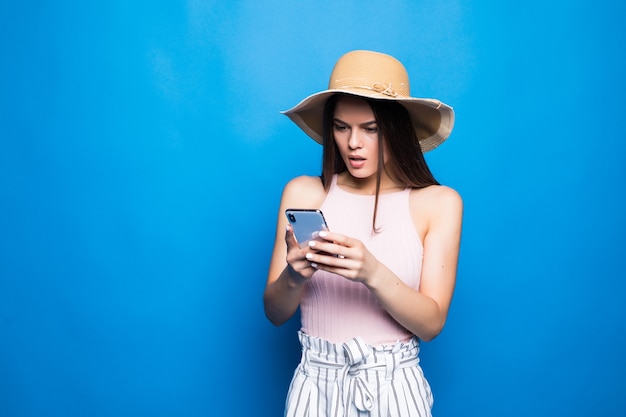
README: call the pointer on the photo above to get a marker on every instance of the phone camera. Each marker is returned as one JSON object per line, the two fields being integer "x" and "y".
{"x": 292, "y": 218}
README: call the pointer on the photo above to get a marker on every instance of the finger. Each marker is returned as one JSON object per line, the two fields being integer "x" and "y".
{"x": 337, "y": 238}
{"x": 347, "y": 268}
{"x": 328, "y": 248}
{"x": 328, "y": 260}
{"x": 290, "y": 238}
{"x": 302, "y": 268}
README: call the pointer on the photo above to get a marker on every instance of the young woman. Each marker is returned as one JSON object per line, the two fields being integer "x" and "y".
{"x": 382, "y": 277}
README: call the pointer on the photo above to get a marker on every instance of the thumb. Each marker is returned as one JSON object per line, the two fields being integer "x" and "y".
{"x": 290, "y": 238}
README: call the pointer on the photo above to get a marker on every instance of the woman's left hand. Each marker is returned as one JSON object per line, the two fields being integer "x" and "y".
{"x": 342, "y": 255}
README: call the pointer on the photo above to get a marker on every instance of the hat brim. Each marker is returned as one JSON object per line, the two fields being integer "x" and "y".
{"x": 432, "y": 119}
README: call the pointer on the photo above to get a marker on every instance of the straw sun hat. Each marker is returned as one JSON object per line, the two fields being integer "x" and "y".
{"x": 378, "y": 76}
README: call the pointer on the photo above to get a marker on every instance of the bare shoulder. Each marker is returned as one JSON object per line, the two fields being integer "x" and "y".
{"x": 304, "y": 192}
{"x": 435, "y": 204}
{"x": 436, "y": 197}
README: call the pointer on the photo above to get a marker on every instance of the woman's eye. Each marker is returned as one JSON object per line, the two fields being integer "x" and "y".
{"x": 371, "y": 129}
{"x": 340, "y": 128}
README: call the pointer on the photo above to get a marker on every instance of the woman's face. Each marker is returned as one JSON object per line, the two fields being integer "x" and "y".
{"x": 356, "y": 134}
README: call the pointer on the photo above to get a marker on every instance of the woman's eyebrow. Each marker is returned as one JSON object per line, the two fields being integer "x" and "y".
{"x": 371, "y": 122}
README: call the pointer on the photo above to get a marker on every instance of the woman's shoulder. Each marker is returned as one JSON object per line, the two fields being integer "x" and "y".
{"x": 305, "y": 184}
{"x": 436, "y": 206}
{"x": 304, "y": 192}
{"x": 436, "y": 198}
{"x": 433, "y": 206}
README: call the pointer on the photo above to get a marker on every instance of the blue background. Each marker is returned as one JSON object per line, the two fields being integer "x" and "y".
{"x": 142, "y": 159}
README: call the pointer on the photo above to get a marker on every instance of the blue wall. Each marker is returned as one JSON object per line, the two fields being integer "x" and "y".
{"x": 137, "y": 140}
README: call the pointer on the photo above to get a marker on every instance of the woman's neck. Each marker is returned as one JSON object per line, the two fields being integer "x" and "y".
{"x": 367, "y": 186}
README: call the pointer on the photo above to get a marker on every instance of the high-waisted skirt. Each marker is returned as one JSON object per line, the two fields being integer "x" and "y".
{"x": 355, "y": 379}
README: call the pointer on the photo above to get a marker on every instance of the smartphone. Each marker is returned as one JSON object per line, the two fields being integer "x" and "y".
{"x": 306, "y": 223}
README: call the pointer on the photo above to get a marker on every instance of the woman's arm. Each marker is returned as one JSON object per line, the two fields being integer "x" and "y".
{"x": 422, "y": 311}
{"x": 289, "y": 269}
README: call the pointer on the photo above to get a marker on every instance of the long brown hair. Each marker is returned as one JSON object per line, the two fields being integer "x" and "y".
{"x": 406, "y": 161}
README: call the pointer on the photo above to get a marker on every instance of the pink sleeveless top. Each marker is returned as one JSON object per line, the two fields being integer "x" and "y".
{"x": 337, "y": 309}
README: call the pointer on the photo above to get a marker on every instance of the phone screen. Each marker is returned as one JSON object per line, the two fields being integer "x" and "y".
{"x": 306, "y": 223}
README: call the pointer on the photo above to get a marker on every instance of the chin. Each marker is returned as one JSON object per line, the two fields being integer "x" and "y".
{"x": 360, "y": 174}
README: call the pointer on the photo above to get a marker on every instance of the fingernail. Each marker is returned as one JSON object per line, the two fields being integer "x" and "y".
{"x": 311, "y": 243}
{"x": 323, "y": 234}
{"x": 309, "y": 255}
{"x": 313, "y": 265}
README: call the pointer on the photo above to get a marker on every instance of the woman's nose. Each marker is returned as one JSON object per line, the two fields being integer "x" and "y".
{"x": 355, "y": 139}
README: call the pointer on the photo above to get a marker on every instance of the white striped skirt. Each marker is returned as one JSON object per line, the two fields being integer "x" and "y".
{"x": 355, "y": 379}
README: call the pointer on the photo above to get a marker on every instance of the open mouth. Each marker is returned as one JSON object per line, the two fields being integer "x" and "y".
{"x": 356, "y": 161}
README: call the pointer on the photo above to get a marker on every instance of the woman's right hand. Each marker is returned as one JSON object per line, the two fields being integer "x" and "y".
{"x": 299, "y": 266}
{"x": 289, "y": 269}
